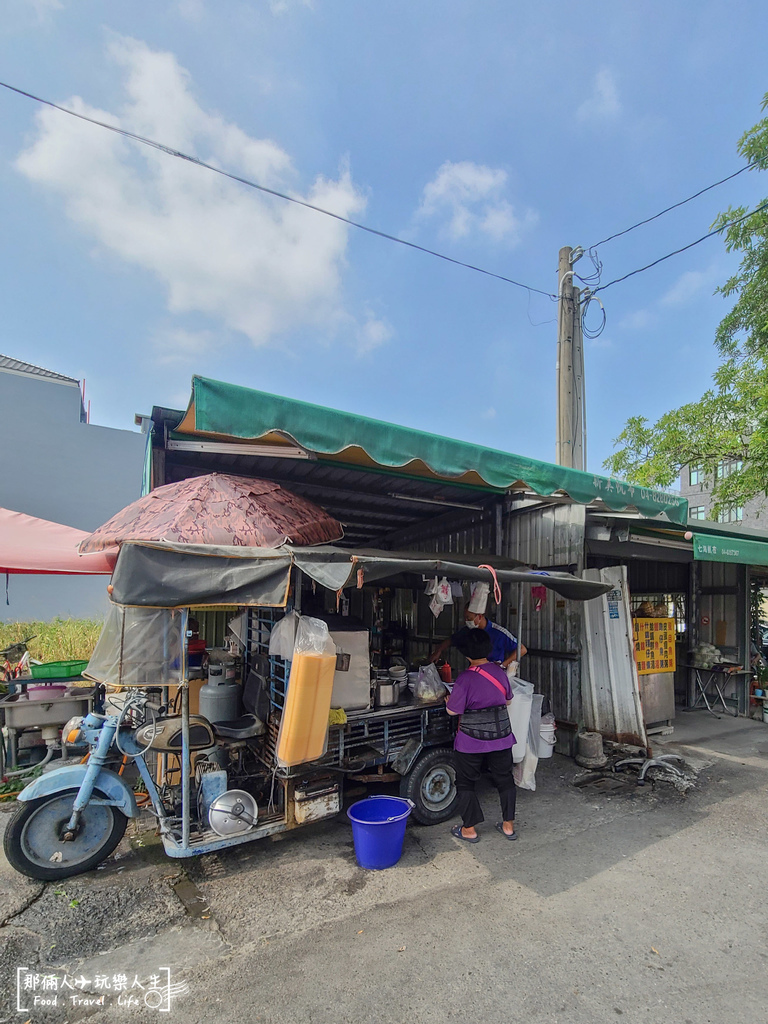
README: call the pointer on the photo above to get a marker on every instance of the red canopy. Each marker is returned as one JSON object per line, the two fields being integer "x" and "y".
{"x": 30, "y": 545}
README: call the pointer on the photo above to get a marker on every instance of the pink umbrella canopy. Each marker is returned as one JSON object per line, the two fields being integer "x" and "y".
{"x": 218, "y": 509}
{"x": 31, "y": 545}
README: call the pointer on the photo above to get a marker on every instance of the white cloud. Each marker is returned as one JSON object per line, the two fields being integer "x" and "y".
{"x": 283, "y": 6}
{"x": 489, "y": 413}
{"x": 688, "y": 286}
{"x": 178, "y": 345}
{"x": 259, "y": 265}
{"x": 469, "y": 198}
{"x": 601, "y": 342}
{"x": 604, "y": 102}
{"x": 372, "y": 333}
{"x": 192, "y": 10}
{"x": 44, "y": 8}
{"x": 637, "y": 320}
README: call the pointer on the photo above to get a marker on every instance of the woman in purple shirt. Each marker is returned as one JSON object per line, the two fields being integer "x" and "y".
{"x": 480, "y": 696}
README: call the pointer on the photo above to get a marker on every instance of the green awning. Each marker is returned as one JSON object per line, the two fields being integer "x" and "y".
{"x": 720, "y": 548}
{"x": 229, "y": 412}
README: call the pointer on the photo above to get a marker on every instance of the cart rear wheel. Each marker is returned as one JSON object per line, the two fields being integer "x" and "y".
{"x": 431, "y": 785}
{"x": 32, "y": 840}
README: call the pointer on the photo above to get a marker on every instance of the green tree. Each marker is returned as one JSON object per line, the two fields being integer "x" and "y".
{"x": 730, "y": 421}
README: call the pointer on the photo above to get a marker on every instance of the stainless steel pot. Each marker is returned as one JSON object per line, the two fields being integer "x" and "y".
{"x": 387, "y": 693}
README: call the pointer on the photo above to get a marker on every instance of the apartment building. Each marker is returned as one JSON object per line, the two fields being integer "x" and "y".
{"x": 697, "y": 488}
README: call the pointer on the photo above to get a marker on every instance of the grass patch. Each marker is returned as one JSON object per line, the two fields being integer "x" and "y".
{"x": 58, "y": 640}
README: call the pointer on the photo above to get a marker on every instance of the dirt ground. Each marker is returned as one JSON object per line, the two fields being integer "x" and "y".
{"x": 645, "y": 904}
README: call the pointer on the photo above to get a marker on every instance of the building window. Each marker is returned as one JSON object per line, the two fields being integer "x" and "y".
{"x": 700, "y": 512}
{"x": 727, "y": 466}
{"x": 695, "y": 475}
{"x": 734, "y": 514}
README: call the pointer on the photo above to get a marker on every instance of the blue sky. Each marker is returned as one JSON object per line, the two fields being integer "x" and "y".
{"x": 493, "y": 132}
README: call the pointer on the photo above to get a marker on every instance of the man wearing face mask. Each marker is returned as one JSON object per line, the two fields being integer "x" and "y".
{"x": 505, "y": 647}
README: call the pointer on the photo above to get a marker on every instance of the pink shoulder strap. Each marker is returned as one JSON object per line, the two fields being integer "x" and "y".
{"x": 496, "y": 683}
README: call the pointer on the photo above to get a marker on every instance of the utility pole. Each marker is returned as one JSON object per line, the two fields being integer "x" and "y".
{"x": 579, "y": 406}
{"x": 570, "y": 445}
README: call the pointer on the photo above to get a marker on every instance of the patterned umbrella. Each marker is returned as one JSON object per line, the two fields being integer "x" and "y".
{"x": 218, "y": 509}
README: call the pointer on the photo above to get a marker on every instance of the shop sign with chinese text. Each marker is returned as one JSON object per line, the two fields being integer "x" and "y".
{"x": 654, "y": 645}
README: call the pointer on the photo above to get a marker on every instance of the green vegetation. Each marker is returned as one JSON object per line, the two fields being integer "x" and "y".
{"x": 59, "y": 640}
{"x": 730, "y": 421}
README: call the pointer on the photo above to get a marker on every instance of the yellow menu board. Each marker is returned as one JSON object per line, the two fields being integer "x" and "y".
{"x": 654, "y": 645}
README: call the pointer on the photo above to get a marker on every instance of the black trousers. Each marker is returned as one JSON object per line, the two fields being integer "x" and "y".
{"x": 468, "y": 769}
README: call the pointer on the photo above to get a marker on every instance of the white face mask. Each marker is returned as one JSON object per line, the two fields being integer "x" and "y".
{"x": 470, "y": 624}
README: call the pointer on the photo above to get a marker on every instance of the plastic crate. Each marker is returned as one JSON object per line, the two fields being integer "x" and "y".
{"x": 58, "y": 669}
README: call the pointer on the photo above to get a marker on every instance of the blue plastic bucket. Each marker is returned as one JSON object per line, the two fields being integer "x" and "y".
{"x": 378, "y": 830}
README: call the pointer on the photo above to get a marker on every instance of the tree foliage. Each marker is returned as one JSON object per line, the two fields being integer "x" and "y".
{"x": 730, "y": 421}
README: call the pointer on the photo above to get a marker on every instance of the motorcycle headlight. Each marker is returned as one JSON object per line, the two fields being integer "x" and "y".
{"x": 72, "y": 731}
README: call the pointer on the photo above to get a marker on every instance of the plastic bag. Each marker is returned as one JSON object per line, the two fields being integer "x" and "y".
{"x": 525, "y": 772}
{"x": 478, "y": 602}
{"x": 441, "y": 596}
{"x": 303, "y": 734}
{"x": 283, "y": 636}
{"x": 312, "y": 637}
{"x": 429, "y": 685}
{"x": 520, "y": 714}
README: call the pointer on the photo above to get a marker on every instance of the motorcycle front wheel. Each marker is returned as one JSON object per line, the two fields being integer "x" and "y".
{"x": 33, "y": 843}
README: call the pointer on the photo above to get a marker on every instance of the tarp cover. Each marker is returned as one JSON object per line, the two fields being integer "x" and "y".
{"x": 232, "y": 412}
{"x": 179, "y": 575}
{"x": 138, "y": 647}
{"x": 38, "y": 546}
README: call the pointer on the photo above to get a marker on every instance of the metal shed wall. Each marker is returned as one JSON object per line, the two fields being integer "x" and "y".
{"x": 548, "y": 538}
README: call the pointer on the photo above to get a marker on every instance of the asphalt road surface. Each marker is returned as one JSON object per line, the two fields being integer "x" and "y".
{"x": 642, "y": 905}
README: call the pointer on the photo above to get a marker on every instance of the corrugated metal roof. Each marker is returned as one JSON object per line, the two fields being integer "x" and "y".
{"x": 18, "y": 366}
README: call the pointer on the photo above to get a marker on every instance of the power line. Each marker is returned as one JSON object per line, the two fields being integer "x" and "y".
{"x": 716, "y": 231}
{"x": 674, "y": 206}
{"x": 169, "y": 151}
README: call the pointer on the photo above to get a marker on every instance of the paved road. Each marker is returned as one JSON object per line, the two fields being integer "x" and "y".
{"x": 641, "y": 905}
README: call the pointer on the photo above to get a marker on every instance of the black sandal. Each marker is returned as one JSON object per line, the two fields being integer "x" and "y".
{"x": 499, "y": 826}
{"x": 456, "y": 833}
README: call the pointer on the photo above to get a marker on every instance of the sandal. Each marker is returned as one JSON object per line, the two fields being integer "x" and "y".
{"x": 456, "y": 833}
{"x": 500, "y": 828}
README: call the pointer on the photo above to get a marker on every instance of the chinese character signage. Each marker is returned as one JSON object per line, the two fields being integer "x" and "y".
{"x": 654, "y": 645}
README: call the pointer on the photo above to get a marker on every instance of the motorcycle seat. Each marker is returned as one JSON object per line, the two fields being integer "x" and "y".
{"x": 243, "y": 728}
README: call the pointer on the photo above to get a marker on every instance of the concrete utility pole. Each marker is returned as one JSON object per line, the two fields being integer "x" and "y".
{"x": 570, "y": 368}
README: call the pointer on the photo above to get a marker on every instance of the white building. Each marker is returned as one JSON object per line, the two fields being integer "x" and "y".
{"x": 55, "y": 465}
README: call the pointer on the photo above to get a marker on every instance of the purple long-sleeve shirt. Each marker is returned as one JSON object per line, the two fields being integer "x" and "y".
{"x": 471, "y": 692}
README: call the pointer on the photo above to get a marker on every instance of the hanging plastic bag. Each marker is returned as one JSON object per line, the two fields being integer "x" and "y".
{"x": 431, "y": 587}
{"x": 478, "y": 602}
{"x": 441, "y": 598}
{"x": 456, "y": 589}
{"x": 525, "y": 772}
{"x": 520, "y": 715}
{"x": 283, "y": 636}
{"x": 303, "y": 734}
{"x": 429, "y": 686}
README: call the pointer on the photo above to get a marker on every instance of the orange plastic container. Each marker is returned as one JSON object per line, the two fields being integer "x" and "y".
{"x": 304, "y": 725}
